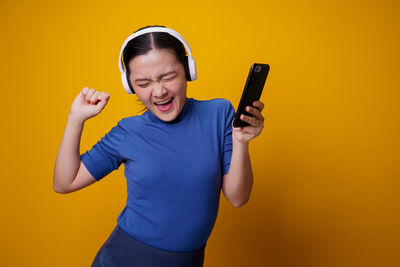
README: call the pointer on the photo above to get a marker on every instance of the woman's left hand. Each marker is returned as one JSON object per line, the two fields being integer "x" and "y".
{"x": 245, "y": 134}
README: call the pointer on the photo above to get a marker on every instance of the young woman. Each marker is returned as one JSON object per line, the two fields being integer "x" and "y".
{"x": 178, "y": 155}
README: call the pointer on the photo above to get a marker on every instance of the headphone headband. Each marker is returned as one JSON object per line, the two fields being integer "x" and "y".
{"x": 190, "y": 59}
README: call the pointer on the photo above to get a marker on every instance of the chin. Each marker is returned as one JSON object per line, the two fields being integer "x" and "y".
{"x": 167, "y": 117}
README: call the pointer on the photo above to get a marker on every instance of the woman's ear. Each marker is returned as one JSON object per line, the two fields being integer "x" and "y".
{"x": 129, "y": 82}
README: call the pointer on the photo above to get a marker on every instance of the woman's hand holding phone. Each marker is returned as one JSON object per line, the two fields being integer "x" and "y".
{"x": 245, "y": 134}
{"x": 248, "y": 121}
{"x": 88, "y": 103}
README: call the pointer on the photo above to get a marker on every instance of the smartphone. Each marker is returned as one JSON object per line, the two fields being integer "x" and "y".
{"x": 252, "y": 91}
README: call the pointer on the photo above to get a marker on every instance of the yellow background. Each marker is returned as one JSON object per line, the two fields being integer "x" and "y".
{"x": 326, "y": 167}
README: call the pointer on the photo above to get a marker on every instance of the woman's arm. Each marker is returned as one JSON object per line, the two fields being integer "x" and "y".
{"x": 70, "y": 174}
{"x": 238, "y": 182}
{"x": 68, "y": 167}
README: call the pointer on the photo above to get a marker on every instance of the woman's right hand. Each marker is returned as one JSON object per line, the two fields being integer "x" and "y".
{"x": 88, "y": 103}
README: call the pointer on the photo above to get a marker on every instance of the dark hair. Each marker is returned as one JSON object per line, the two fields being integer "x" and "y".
{"x": 154, "y": 40}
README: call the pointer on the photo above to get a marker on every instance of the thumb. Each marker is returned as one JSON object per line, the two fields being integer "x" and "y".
{"x": 103, "y": 100}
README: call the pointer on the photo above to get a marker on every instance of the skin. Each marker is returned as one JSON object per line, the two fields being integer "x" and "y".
{"x": 158, "y": 76}
{"x": 238, "y": 182}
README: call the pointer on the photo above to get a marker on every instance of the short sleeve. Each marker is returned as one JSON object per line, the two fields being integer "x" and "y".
{"x": 104, "y": 156}
{"x": 227, "y": 146}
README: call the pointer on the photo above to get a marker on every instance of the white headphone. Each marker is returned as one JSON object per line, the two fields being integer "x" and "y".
{"x": 189, "y": 60}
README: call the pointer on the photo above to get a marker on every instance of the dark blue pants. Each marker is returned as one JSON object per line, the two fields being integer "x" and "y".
{"x": 121, "y": 250}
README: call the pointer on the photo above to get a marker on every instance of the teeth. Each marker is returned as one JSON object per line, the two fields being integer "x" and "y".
{"x": 164, "y": 102}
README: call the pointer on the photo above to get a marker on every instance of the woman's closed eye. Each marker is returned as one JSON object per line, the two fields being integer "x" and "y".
{"x": 165, "y": 80}
{"x": 143, "y": 85}
{"x": 169, "y": 78}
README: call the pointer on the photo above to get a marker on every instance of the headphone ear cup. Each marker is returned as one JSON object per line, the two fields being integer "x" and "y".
{"x": 129, "y": 82}
{"x": 186, "y": 67}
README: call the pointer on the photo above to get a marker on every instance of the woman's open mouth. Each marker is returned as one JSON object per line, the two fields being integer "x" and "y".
{"x": 165, "y": 105}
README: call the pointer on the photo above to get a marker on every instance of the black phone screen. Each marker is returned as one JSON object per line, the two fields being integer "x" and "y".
{"x": 252, "y": 91}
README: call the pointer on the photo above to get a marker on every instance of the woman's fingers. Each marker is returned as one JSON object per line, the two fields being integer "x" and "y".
{"x": 256, "y": 122}
{"x": 89, "y": 103}
{"x": 255, "y": 112}
{"x": 89, "y": 95}
{"x": 95, "y": 97}
{"x": 103, "y": 101}
{"x": 83, "y": 93}
{"x": 259, "y": 105}
{"x": 103, "y": 97}
{"x": 85, "y": 90}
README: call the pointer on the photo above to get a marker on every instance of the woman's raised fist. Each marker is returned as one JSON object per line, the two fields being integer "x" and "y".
{"x": 88, "y": 103}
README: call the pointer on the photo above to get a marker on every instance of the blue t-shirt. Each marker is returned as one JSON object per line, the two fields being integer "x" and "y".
{"x": 173, "y": 170}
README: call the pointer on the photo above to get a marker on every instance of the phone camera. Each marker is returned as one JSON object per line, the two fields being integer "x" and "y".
{"x": 257, "y": 69}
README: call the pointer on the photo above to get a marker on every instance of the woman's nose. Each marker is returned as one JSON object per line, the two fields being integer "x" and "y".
{"x": 159, "y": 90}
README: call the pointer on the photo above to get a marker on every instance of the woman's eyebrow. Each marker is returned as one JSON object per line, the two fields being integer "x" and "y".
{"x": 166, "y": 74}
{"x": 162, "y": 75}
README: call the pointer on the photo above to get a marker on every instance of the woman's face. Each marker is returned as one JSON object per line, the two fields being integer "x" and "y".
{"x": 159, "y": 81}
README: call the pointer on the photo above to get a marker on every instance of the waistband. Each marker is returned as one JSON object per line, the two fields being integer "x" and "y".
{"x": 154, "y": 249}
{"x": 121, "y": 249}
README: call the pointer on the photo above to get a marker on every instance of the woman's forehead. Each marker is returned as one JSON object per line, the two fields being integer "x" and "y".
{"x": 154, "y": 57}
{"x": 155, "y": 63}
